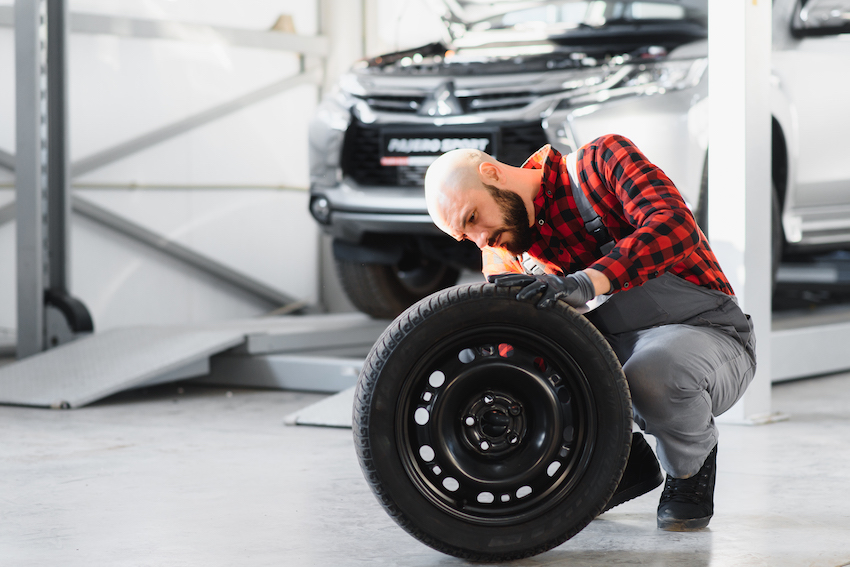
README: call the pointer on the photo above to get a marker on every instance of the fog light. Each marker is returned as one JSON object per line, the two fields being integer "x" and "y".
{"x": 321, "y": 209}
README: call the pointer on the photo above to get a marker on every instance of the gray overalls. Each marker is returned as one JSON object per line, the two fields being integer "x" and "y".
{"x": 688, "y": 353}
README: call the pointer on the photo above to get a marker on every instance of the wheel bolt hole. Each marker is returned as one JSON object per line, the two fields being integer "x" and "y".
{"x": 485, "y": 446}
{"x": 488, "y": 399}
{"x": 470, "y": 421}
{"x": 513, "y": 439}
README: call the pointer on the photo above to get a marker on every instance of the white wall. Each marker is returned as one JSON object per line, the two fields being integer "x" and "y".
{"x": 401, "y": 24}
{"x": 234, "y": 189}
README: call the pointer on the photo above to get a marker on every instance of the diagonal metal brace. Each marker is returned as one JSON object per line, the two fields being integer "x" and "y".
{"x": 7, "y": 160}
{"x": 106, "y": 218}
{"x": 130, "y": 147}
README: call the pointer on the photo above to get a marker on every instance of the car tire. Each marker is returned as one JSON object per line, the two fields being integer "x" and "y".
{"x": 777, "y": 235}
{"x": 490, "y": 429}
{"x": 384, "y": 291}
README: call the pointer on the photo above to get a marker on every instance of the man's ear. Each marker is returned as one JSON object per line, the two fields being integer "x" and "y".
{"x": 490, "y": 173}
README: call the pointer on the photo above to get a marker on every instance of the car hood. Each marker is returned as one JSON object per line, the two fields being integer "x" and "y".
{"x": 508, "y": 36}
{"x": 519, "y": 19}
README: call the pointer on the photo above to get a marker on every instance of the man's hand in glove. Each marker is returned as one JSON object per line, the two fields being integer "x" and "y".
{"x": 576, "y": 289}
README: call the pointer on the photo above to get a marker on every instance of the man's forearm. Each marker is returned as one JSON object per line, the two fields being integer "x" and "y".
{"x": 601, "y": 283}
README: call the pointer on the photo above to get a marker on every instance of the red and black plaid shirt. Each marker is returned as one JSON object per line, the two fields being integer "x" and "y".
{"x": 642, "y": 210}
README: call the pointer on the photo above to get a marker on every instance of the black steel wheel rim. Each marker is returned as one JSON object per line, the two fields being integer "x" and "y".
{"x": 495, "y": 424}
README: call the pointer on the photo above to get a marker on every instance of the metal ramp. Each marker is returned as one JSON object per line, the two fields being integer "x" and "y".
{"x": 81, "y": 372}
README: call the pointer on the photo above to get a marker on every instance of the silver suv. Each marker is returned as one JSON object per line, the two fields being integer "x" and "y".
{"x": 563, "y": 73}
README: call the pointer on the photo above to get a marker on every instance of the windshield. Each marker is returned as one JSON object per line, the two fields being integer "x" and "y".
{"x": 568, "y": 15}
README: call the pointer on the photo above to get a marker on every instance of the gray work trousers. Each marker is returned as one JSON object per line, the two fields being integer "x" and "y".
{"x": 688, "y": 354}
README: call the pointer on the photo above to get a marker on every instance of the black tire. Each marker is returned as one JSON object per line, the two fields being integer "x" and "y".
{"x": 777, "y": 236}
{"x": 489, "y": 429}
{"x": 384, "y": 291}
{"x": 701, "y": 215}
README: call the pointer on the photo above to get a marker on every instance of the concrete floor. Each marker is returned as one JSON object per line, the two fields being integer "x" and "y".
{"x": 186, "y": 475}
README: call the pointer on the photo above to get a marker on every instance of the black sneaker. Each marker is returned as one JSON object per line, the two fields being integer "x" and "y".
{"x": 688, "y": 503}
{"x": 642, "y": 473}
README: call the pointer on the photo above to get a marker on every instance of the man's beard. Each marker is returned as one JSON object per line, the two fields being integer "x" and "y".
{"x": 521, "y": 236}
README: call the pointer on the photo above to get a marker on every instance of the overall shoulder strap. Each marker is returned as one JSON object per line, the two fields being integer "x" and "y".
{"x": 592, "y": 221}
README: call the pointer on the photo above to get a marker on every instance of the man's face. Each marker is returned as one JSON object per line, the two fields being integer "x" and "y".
{"x": 518, "y": 235}
{"x": 488, "y": 217}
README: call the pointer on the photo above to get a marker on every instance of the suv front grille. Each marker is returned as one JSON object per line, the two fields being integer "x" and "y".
{"x": 361, "y": 153}
{"x": 490, "y": 102}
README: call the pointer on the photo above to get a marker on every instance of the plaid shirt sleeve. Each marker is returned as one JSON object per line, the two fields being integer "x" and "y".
{"x": 616, "y": 175}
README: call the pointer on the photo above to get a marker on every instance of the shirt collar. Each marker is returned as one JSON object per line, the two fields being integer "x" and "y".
{"x": 548, "y": 159}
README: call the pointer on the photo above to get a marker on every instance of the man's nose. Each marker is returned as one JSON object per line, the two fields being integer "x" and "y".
{"x": 481, "y": 239}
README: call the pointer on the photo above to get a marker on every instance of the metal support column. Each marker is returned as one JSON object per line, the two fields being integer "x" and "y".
{"x": 47, "y": 314}
{"x": 30, "y": 177}
{"x": 739, "y": 46}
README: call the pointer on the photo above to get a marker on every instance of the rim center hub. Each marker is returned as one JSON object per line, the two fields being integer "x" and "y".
{"x": 493, "y": 424}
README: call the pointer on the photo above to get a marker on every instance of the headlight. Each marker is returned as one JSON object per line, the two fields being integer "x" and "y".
{"x": 320, "y": 207}
{"x": 662, "y": 76}
{"x": 636, "y": 79}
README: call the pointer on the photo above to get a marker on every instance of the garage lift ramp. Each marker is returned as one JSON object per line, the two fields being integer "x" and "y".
{"x": 62, "y": 363}
{"x": 321, "y": 353}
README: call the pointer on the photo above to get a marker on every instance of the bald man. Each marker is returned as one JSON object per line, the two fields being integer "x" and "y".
{"x": 605, "y": 220}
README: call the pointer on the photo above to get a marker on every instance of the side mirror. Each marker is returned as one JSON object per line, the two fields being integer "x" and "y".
{"x": 821, "y": 17}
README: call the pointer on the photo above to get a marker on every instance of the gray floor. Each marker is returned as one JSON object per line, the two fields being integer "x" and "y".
{"x": 198, "y": 476}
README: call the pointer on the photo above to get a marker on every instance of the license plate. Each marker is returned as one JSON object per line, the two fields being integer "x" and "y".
{"x": 411, "y": 148}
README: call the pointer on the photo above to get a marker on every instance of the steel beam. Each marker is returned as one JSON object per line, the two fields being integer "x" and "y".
{"x": 130, "y": 147}
{"x": 198, "y": 33}
{"x": 7, "y": 213}
{"x": 739, "y": 172}
{"x": 58, "y": 179}
{"x": 106, "y": 218}
{"x": 7, "y": 160}
{"x": 198, "y": 261}
{"x": 30, "y": 171}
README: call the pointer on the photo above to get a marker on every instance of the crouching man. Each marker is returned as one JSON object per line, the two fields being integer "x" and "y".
{"x": 605, "y": 221}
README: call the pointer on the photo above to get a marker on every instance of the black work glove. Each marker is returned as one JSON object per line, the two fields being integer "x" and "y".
{"x": 576, "y": 289}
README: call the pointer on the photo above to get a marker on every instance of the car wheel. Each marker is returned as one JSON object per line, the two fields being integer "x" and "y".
{"x": 777, "y": 236}
{"x": 384, "y": 291}
{"x": 489, "y": 429}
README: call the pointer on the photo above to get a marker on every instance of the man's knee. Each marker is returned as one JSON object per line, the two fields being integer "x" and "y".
{"x": 661, "y": 382}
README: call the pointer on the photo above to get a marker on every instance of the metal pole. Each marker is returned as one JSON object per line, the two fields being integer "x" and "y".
{"x": 58, "y": 172}
{"x": 739, "y": 49}
{"x": 30, "y": 173}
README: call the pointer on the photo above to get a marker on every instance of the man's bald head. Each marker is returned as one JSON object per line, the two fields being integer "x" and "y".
{"x": 452, "y": 174}
{"x": 471, "y": 196}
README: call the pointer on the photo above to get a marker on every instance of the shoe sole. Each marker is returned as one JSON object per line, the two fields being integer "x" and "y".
{"x": 634, "y": 491}
{"x": 688, "y": 525}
